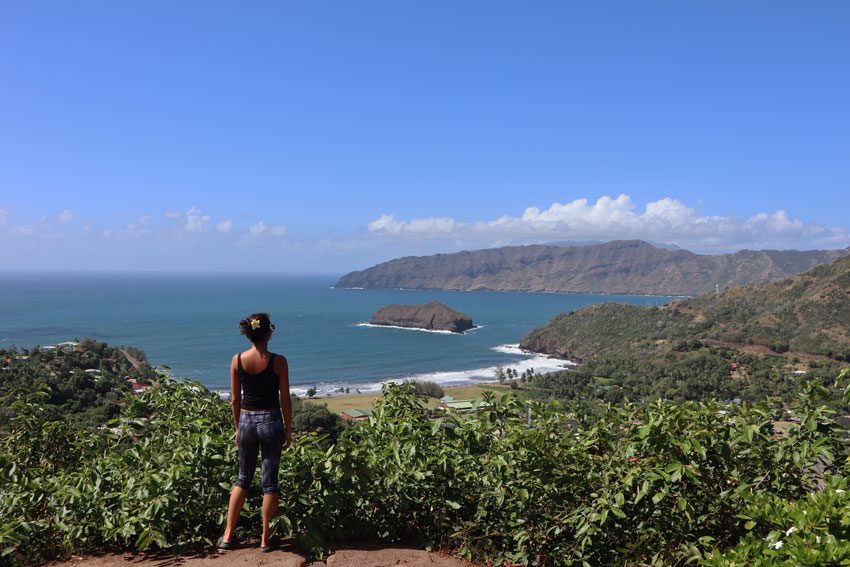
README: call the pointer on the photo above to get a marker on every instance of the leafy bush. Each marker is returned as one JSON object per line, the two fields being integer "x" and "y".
{"x": 312, "y": 416}
{"x": 156, "y": 477}
{"x": 426, "y": 388}
{"x": 814, "y": 530}
{"x": 642, "y": 483}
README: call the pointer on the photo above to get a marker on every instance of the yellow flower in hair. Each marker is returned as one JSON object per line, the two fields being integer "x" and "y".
{"x": 255, "y": 324}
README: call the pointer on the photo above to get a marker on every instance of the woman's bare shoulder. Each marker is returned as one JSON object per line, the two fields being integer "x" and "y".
{"x": 280, "y": 361}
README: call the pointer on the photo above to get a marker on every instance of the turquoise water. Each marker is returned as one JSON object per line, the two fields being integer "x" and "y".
{"x": 189, "y": 322}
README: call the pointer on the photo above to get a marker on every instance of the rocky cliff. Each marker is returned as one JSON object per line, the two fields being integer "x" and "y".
{"x": 624, "y": 266}
{"x": 433, "y": 316}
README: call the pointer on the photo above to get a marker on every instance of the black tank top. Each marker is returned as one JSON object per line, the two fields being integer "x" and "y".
{"x": 260, "y": 391}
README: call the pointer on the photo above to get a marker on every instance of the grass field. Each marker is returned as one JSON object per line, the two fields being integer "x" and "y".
{"x": 338, "y": 404}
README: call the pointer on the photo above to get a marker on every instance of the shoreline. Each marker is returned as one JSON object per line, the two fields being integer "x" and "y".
{"x": 399, "y": 327}
{"x": 539, "y": 363}
{"x": 556, "y": 292}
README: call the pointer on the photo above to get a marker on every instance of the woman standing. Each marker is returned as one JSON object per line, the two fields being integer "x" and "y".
{"x": 259, "y": 386}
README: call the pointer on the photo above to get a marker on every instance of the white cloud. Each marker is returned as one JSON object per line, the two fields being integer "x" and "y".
{"x": 260, "y": 228}
{"x": 196, "y": 220}
{"x": 172, "y": 214}
{"x": 39, "y": 228}
{"x": 432, "y": 226}
{"x": 138, "y": 229}
{"x": 386, "y": 224}
{"x": 441, "y": 225}
{"x": 665, "y": 220}
{"x": 224, "y": 226}
{"x": 64, "y": 216}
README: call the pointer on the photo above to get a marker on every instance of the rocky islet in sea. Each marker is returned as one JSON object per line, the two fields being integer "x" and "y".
{"x": 432, "y": 316}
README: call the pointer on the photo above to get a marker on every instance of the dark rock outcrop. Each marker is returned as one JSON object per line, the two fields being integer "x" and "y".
{"x": 433, "y": 316}
{"x": 622, "y": 266}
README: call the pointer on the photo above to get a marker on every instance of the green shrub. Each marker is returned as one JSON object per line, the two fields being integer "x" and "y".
{"x": 814, "y": 530}
{"x": 639, "y": 483}
{"x": 312, "y": 416}
{"x": 426, "y": 388}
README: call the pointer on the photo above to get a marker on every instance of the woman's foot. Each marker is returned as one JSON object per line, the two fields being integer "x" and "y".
{"x": 228, "y": 543}
{"x": 270, "y": 544}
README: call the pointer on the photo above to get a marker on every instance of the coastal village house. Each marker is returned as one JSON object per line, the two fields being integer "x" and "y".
{"x": 448, "y": 403}
{"x": 355, "y": 414}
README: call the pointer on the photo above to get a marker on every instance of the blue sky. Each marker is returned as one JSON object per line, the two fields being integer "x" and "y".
{"x": 319, "y": 136}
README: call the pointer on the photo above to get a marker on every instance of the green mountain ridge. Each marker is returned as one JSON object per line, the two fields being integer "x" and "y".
{"x": 619, "y": 267}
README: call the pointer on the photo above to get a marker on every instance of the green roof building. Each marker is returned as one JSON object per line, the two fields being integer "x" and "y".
{"x": 355, "y": 414}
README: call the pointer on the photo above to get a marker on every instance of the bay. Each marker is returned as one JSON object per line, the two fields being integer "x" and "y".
{"x": 190, "y": 323}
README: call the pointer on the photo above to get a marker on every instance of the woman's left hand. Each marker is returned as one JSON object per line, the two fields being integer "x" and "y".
{"x": 288, "y": 441}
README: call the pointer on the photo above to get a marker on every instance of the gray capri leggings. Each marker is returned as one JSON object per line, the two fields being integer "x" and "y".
{"x": 260, "y": 430}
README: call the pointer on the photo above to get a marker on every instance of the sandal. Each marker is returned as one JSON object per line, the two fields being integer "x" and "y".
{"x": 221, "y": 544}
{"x": 274, "y": 541}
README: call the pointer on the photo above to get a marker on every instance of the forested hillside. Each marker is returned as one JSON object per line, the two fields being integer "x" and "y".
{"x": 746, "y": 342}
{"x": 86, "y": 383}
{"x": 808, "y": 314}
{"x": 83, "y": 381}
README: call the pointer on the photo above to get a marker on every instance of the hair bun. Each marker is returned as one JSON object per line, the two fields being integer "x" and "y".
{"x": 255, "y": 326}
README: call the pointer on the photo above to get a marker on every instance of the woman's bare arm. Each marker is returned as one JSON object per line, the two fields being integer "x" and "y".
{"x": 282, "y": 370}
{"x": 235, "y": 391}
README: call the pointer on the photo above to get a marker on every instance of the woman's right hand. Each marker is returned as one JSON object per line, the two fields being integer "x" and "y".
{"x": 236, "y": 437}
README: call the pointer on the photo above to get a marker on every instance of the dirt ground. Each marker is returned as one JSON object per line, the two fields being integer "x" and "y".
{"x": 285, "y": 556}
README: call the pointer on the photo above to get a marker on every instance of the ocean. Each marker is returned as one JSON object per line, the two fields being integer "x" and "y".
{"x": 190, "y": 323}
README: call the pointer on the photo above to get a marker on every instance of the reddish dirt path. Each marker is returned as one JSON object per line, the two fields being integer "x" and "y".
{"x": 286, "y": 556}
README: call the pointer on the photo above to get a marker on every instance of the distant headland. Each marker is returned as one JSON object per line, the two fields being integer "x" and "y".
{"x": 617, "y": 267}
